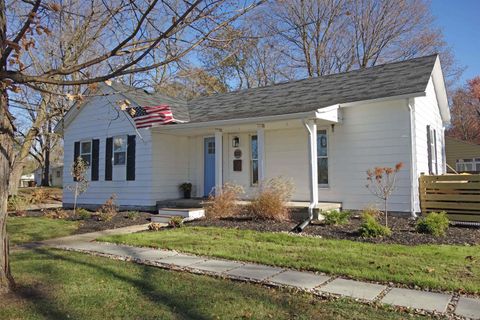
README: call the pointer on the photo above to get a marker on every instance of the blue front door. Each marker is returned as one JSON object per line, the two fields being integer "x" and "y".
{"x": 209, "y": 166}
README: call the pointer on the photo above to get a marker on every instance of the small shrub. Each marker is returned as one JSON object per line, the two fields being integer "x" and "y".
{"x": 434, "y": 223}
{"x": 108, "y": 210}
{"x": 271, "y": 201}
{"x": 83, "y": 214}
{"x": 224, "y": 204}
{"x": 132, "y": 215}
{"x": 175, "y": 222}
{"x": 154, "y": 226}
{"x": 17, "y": 203}
{"x": 56, "y": 214}
{"x": 371, "y": 228}
{"x": 335, "y": 217}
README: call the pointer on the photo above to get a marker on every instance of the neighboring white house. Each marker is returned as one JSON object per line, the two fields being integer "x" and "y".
{"x": 27, "y": 180}
{"x": 55, "y": 176}
{"x": 323, "y": 133}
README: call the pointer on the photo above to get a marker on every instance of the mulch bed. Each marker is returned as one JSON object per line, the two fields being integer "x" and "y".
{"x": 93, "y": 224}
{"x": 403, "y": 230}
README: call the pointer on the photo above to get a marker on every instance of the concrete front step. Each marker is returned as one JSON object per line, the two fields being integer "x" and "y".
{"x": 165, "y": 214}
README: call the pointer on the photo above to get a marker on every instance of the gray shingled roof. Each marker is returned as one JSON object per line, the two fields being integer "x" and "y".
{"x": 388, "y": 80}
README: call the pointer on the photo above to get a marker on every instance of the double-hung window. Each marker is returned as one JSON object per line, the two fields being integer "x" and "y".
{"x": 432, "y": 150}
{"x": 119, "y": 150}
{"x": 86, "y": 151}
{"x": 254, "y": 160}
{"x": 322, "y": 157}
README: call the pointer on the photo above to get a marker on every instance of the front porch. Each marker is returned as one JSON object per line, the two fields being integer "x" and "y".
{"x": 246, "y": 152}
{"x": 191, "y": 209}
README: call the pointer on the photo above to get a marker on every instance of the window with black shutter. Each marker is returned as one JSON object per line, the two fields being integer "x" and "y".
{"x": 76, "y": 153}
{"x": 108, "y": 158}
{"x": 131, "y": 146}
{"x": 95, "y": 155}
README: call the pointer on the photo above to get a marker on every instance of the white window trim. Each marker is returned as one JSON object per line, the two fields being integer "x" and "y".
{"x": 325, "y": 185}
{"x": 125, "y": 137}
{"x": 251, "y": 159}
{"x": 86, "y": 153}
{"x": 474, "y": 162}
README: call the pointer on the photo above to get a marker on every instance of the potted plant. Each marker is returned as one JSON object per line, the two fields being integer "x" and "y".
{"x": 186, "y": 187}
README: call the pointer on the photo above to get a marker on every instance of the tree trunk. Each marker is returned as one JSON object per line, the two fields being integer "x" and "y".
{"x": 6, "y": 157}
{"x": 25, "y": 147}
{"x": 6, "y": 154}
{"x": 15, "y": 176}
{"x": 46, "y": 165}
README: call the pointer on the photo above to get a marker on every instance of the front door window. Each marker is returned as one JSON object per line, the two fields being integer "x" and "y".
{"x": 322, "y": 157}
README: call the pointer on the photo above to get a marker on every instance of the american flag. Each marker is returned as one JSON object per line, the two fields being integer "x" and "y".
{"x": 146, "y": 117}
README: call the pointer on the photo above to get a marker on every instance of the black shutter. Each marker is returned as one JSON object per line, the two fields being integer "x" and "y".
{"x": 76, "y": 153}
{"x": 95, "y": 151}
{"x": 131, "y": 144}
{"x": 429, "y": 150}
{"x": 108, "y": 159}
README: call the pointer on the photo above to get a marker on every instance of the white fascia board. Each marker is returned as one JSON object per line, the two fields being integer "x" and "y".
{"x": 221, "y": 123}
{"x": 441, "y": 91}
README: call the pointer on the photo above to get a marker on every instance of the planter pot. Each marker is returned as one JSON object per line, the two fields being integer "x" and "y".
{"x": 187, "y": 194}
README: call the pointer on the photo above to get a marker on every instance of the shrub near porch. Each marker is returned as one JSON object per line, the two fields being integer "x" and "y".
{"x": 428, "y": 266}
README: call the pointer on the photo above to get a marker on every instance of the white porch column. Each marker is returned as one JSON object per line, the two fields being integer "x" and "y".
{"x": 261, "y": 151}
{"x": 218, "y": 160}
{"x": 313, "y": 169}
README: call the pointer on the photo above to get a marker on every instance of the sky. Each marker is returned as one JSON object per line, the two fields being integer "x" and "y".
{"x": 460, "y": 23}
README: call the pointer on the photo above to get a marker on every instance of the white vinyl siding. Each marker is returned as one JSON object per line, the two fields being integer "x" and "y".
{"x": 99, "y": 119}
{"x": 427, "y": 113}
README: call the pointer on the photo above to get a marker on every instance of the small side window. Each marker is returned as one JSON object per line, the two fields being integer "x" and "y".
{"x": 119, "y": 150}
{"x": 86, "y": 151}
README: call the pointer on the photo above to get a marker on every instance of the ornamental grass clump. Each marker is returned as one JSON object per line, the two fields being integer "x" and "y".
{"x": 224, "y": 204}
{"x": 434, "y": 223}
{"x": 270, "y": 203}
{"x": 108, "y": 210}
{"x": 371, "y": 228}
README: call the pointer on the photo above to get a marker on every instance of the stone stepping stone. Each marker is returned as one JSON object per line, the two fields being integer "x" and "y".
{"x": 182, "y": 260}
{"x": 303, "y": 280}
{"x": 217, "y": 266}
{"x": 430, "y": 301}
{"x": 154, "y": 254}
{"x": 354, "y": 289}
{"x": 468, "y": 308}
{"x": 254, "y": 271}
{"x": 119, "y": 250}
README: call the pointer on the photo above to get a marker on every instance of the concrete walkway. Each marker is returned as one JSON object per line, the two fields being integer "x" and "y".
{"x": 424, "y": 301}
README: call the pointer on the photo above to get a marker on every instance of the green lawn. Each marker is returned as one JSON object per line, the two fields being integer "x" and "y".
{"x": 29, "y": 229}
{"x": 428, "y": 266}
{"x": 57, "y": 284}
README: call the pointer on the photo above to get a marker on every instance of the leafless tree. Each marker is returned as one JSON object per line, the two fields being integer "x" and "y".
{"x": 125, "y": 35}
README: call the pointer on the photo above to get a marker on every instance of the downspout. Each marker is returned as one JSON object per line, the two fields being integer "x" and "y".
{"x": 413, "y": 158}
{"x": 299, "y": 228}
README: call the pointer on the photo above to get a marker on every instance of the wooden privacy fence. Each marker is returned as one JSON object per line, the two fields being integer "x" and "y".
{"x": 457, "y": 194}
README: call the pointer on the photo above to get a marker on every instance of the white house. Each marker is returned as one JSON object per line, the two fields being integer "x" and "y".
{"x": 55, "y": 176}
{"x": 323, "y": 133}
